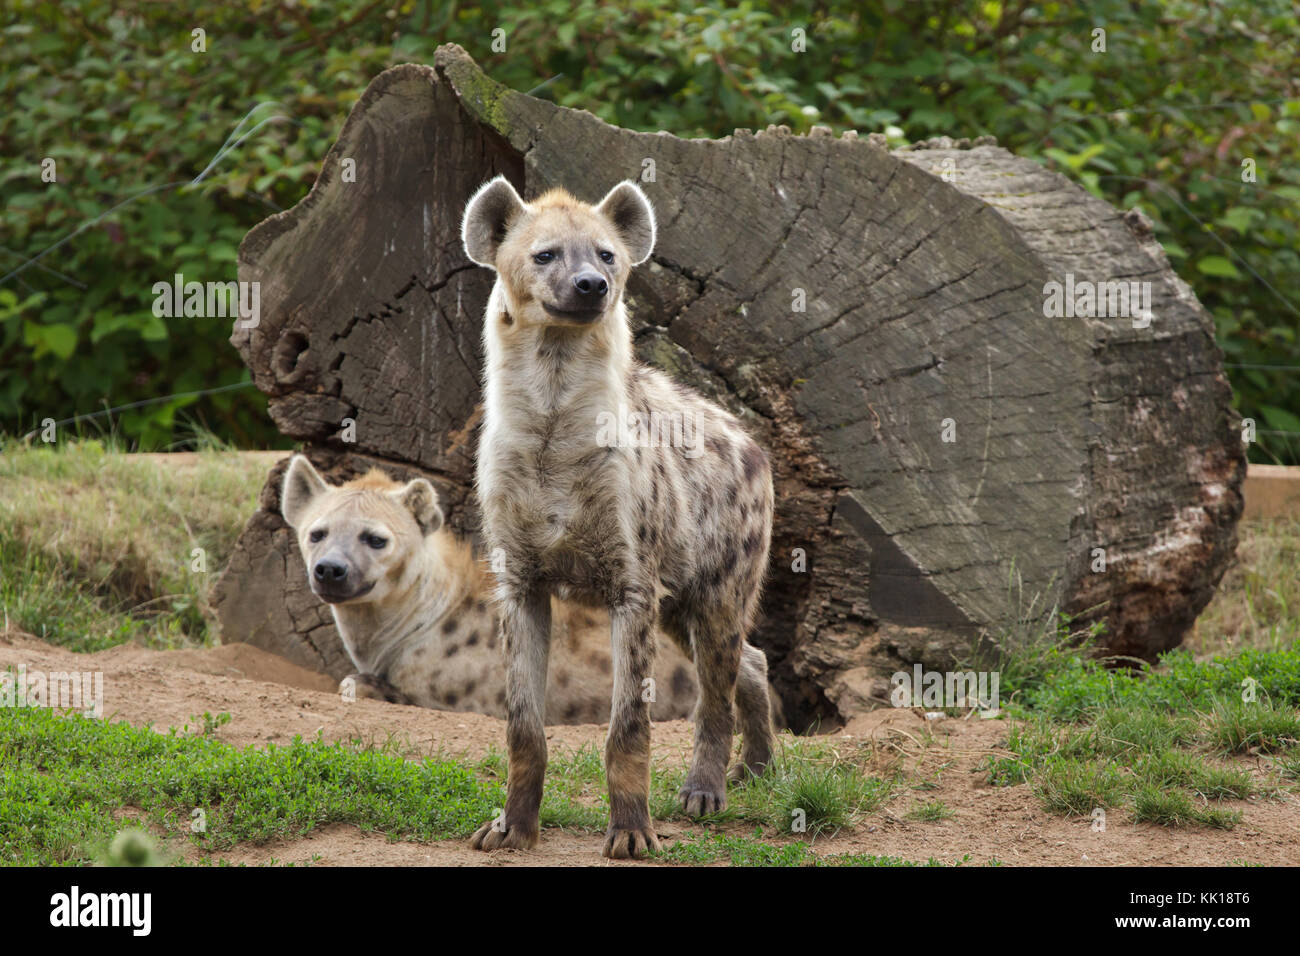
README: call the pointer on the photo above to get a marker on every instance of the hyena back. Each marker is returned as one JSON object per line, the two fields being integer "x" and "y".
{"x": 675, "y": 537}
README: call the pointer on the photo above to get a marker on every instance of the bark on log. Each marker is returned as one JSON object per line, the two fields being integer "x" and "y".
{"x": 922, "y": 275}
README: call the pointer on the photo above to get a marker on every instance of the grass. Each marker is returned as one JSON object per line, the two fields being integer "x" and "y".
{"x": 752, "y": 851}
{"x": 1240, "y": 727}
{"x": 935, "y": 811}
{"x": 122, "y": 531}
{"x": 1173, "y": 808}
{"x": 96, "y": 550}
{"x": 807, "y": 790}
{"x": 66, "y": 780}
{"x": 1160, "y": 740}
{"x": 1257, "y": 605}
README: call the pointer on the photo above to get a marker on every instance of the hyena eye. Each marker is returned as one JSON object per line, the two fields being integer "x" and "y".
{"x": 374, "y": 541}
{"x": 541, "y": 258}
{"x": 606, "y": 256}
{"x": 317, "y": 535}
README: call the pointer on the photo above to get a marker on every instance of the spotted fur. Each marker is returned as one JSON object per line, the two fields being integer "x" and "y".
{"x": 672, "y": 536}
{"x": 418, "y": 616}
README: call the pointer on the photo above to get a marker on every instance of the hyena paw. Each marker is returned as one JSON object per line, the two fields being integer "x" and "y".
{"x": 700, "y": 800}
{"x": 750, "y": 765}
{"x": 493, "y": 835}
{"x": 743, "y": 772}
{"x": 628, "y": 844}
{"x": 373, "y": 687}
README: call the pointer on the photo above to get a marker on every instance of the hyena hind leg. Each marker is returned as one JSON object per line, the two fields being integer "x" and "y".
{"x": 754, "y": 707}
{"x": 717, "y": 648}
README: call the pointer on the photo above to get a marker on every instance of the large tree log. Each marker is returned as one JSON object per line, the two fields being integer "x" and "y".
{"x": 921, "y": 275}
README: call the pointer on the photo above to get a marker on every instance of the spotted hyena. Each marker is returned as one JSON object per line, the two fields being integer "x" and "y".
{"x": 669, "y": 534}
{"x": 415, "y": 608}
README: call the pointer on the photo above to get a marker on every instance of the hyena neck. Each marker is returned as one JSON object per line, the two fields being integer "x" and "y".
{"x": 536, "y": 373}
{"x": 377, "y": 633}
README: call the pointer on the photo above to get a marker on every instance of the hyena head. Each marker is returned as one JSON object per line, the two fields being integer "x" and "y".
{"x": 561, "y": 261}
{"x": 362, "y": 540}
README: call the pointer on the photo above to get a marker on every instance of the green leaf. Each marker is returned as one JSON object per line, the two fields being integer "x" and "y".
{"x": 57, "y": 340}
{"x": 1280, "y": 419}
{"x": 1239, "y": 218}
{"x": 1218, "y": 266}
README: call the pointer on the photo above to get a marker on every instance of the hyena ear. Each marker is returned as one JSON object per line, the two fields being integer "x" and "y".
{"x": 488, "y": 216}
{"x": 302, "y": 483}
{"x": 627, "y": 207}
{"x": 421, "y": 499}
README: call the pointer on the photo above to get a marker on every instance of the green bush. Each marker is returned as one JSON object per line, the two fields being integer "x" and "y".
{"x": 1183, "y": 94}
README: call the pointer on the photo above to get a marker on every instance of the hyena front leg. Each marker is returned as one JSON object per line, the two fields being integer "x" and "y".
{"x": 526, "y": 626}
{"x": 717, "y": 662}
{"x": 627, "y": 748}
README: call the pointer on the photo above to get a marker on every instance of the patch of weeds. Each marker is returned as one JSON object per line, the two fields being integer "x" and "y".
{"x": 98, "y": 547}
{"x": 574, "y": 795}
{"x": 1289, "y": 767}
{"x": 807, "y": 785}
{"x": 212, "y": 724}
{"x": 1173, "y": 808}
{"x": 1239, "y": 727}
{"x": 1127, "y": 733}
{"x": 819, "y": 796}
{"x": 932, "y": 812}
{"x": 1175, "y": 768}
{"x": 1076, "y": 787}
{"x": 1032, "y": 742}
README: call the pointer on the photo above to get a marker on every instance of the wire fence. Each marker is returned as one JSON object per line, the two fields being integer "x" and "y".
{"x": 87, "y": 416}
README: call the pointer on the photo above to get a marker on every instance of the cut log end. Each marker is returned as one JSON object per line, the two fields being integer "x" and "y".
{"x": 950, "y": 456}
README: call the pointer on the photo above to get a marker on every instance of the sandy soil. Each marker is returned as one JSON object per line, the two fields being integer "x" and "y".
{"x": 271, "y": 700}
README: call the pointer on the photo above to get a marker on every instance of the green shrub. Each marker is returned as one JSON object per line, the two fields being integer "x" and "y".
{"x": 1184, "y": 92}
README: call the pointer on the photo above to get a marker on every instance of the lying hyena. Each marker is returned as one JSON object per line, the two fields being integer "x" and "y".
{"x": 415, "y": 610}
{"x": 675, "y": 537}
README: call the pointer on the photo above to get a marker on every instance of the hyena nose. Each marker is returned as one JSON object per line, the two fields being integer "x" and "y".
{"x": 590, "y": 283}
{"x": 330, "y": 571}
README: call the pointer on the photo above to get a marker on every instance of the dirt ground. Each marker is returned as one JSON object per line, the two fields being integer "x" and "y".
{"x": 271, "y": 700}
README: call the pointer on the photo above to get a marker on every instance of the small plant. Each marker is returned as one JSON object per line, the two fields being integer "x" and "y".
{"x": 1239, "y": 727}
{"x": 932, "y": 812}
{"x": 1173, "y": 808}
{"x": 212, "y": 724}
{"x": 1175, "y": 768}
{"x": 1077, "y": 787}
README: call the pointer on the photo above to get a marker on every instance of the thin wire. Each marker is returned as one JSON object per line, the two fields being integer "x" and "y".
{"x": 54, "y": 272}
{"x": 1201, "y": 106}
{"x": 140, "y": 404}
{"x": 544, "y": 84}
{"x": 1173, "y": 197}
{"x": 221, "y": 153}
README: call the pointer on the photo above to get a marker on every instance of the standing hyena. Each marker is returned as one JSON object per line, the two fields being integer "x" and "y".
{"x": 674, "y": 535}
